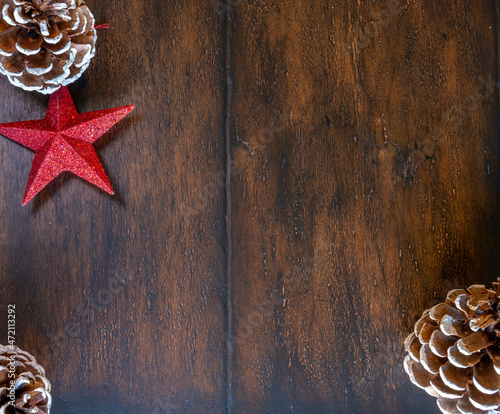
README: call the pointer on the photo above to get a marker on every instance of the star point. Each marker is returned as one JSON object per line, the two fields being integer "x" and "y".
{"x": 63, "y": 141}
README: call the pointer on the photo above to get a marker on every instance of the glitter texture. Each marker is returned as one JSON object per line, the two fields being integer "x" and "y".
{"x": 63, "y": 140}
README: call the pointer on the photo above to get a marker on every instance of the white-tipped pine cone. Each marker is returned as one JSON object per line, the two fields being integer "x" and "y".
{"x": 30, "y": 387}
{"x": 45, "y": 44}
{"x": 454, "y": 352}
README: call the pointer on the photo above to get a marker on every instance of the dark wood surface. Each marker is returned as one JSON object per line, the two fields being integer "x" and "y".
{"x": 299, "y": 181}
{"x": 123, "y": 298}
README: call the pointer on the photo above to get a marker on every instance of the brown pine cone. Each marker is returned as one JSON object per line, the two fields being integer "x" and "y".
{"x": 45, "y": 43}
{"x": 31, "y": 389}
{"x": 454, "y": 352}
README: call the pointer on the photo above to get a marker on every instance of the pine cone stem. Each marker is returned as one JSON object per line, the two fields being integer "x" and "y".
{"x": 45, "y": 44}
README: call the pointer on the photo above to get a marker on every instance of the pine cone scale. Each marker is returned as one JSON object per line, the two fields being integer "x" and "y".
{"x": 39, "y": 64}
{"x": 8, "y": 39}
{"x": 13, "y": 65}
{"x": 455, "y": 378}
{"x": 28, "y": 45}
{"x": 51, "y": 33}
{"x": 443, "y": 390}
{"x": 439, "y": 343}
{"x": 482, "y": 400}
{"x": 485, "y": 377}
{"x": 475, "y": 342}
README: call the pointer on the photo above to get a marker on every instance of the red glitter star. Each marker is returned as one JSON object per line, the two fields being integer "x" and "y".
{"x": 63, "y": 140}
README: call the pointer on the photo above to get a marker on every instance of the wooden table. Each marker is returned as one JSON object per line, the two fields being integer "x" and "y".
{"x": 299, "y": 181}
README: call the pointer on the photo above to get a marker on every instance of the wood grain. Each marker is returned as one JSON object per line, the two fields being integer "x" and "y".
{"x": 365, "y": 185}
{"x": 123, "y": 299}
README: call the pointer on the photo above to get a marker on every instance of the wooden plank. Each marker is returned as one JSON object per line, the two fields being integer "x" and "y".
{"x": 123, "y": 299}
{"x": 365, "y": 185}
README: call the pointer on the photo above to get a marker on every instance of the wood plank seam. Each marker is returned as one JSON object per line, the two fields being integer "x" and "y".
{"x": 229, "y": 162}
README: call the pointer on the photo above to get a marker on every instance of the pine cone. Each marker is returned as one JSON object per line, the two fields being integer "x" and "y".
{"x": 32, "y": 389}
{"x": 454, "y": 352}
{"x": 45, "y": 43}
